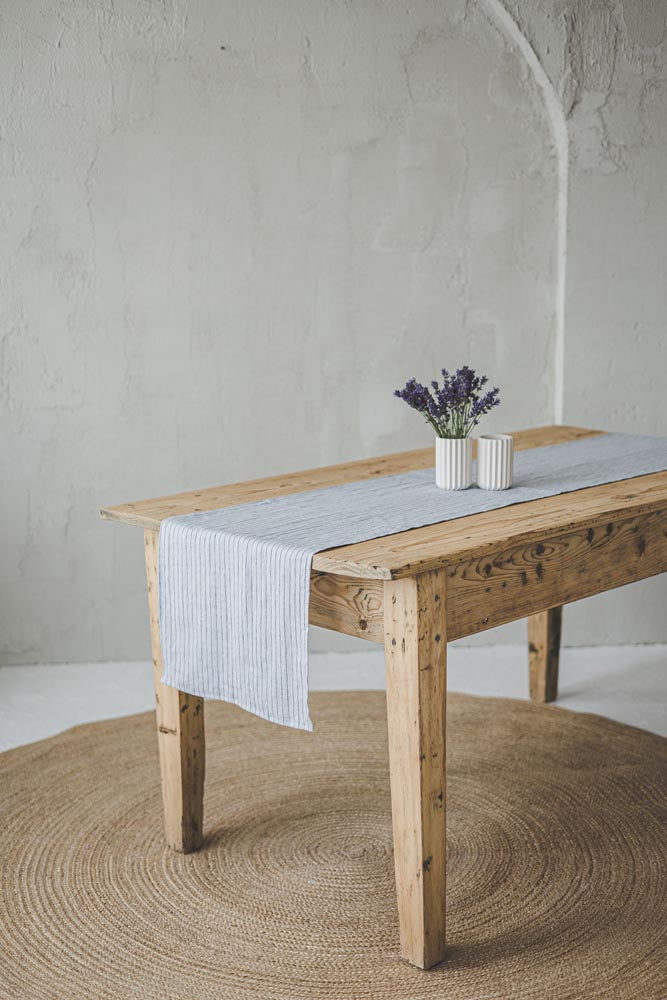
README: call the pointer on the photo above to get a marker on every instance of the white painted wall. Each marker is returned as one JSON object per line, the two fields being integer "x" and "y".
{"x": 230, "y": 229}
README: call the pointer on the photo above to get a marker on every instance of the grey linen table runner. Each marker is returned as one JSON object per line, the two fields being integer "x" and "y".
{"x": 234, "y": 584}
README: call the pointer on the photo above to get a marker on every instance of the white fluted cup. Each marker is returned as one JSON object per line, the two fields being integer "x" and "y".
{"x": 495, "y": 461}
{"x": 453, "y": 463}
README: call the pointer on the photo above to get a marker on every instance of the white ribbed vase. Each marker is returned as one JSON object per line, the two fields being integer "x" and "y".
{"x": 453, "y": 463}
{"x": 495, "y": 461}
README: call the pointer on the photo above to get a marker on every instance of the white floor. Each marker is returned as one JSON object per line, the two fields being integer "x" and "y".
{"x": 628, "y": 683}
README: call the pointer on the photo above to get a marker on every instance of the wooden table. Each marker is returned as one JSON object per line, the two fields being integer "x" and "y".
{"x": 414, "y": 592}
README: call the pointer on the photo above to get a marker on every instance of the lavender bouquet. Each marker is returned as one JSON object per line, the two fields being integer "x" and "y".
{"x": 454, "y": 408}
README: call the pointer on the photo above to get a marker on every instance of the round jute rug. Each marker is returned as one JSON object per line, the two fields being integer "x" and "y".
{"x": 556, "y": 862}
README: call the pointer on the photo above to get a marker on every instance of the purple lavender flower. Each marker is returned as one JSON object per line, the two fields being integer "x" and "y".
{"x": 454, "y": 408}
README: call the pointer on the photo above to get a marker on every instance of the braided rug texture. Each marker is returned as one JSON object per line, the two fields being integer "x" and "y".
{"x": 556, "y": 862}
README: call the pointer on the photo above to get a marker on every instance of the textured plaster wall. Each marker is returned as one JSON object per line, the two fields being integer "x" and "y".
{"x": 608, "y": 62}
{"x": 230, "y": 229}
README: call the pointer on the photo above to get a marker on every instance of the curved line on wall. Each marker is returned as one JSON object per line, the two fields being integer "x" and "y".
{"x": 561, "y": 140}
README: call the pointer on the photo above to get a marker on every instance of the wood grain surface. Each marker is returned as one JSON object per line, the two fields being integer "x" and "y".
{"x": 544, "y": 630}
{"x": 416, "y": 665}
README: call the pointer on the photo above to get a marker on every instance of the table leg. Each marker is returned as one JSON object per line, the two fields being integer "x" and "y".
{"x": 543, "y": 653}
{"x": 180, "y": 725}
{"x": 416, "y": 664}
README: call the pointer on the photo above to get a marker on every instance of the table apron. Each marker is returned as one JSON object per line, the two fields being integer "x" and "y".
{"x": 348, "y": 605}
{"x": 511, "y": 582}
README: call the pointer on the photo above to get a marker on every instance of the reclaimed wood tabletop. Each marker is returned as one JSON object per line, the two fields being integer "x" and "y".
{"x": 415, "y": 591}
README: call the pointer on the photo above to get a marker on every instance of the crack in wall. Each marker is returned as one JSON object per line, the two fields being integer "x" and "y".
{"x": 558, "y": 126}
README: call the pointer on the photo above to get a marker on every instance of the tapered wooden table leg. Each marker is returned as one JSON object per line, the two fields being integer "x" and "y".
{"x": 544, "y": 653}
{"x": 416, "y": 663}
{"x": 180, "y": 725}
